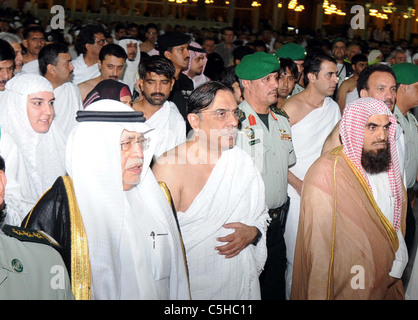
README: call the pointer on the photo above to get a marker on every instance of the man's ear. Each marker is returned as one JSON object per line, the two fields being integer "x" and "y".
{"x": 89, "y": 47}
{"x": 50, "y": 68}
{"x": 167, "y": 54}
{"x": 194, "y": 121}
{"x": 245, "y": 83}
{"x": 403, "y": 88}
{"x": 139, "y": 83}
{"x": 363, "y": 93}
{"x": 25, "y": 43}
{"x": 311, "y": 76}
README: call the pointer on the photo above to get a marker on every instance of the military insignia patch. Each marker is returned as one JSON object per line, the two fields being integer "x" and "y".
{"x": 24, "y": 234}
{"x": 249, "y": 133}
{"x": 251, "y": 120}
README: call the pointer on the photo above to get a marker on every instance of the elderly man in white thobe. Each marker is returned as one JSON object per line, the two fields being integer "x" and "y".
{"x": 134, "y": 245}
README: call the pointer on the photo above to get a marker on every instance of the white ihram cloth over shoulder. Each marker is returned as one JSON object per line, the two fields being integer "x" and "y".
{"x": 308, "y": 136}
{"x": 234, "y": 192}
{"x": 171, "y": 127}
{"x": 43, "y": 154}
{"x": 67, "y": 103}
{"x": 82, "y": 72}
{"x": 125, "y": 262}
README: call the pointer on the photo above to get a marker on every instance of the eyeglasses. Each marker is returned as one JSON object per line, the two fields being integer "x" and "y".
{"x": 152, "y": 33}
{"x": 223, "y": 114}
{"x": 101, "y": 42}
{"x": 143, "y": 143}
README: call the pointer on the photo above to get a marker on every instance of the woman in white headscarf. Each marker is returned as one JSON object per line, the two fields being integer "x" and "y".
{"x": 27, "y": 115}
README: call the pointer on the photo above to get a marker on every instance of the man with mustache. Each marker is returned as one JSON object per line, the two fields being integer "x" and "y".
{"x": 33, "y": 41}
{"x": 312, "y": 115}
{"x": 7, "y": 64}
{"x": 15, "y": 42}
{"x": 218, "y": 194}
{"x": 175, "y": 47}
{"x": 112, "y": 58}
{"x": 156, "y": 80}
{"x": 56, "y": 66}
{"x": 265, "y": 135}
{"x": 118, "y": 233}
{"x": 131, "y": 47}
{"x": 353, "y": 211}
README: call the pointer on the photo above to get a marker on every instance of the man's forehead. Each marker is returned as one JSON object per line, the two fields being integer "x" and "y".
{"x": 155, "y": 76}
{"x": 380, "y": 119}
{"x": 99, "y": 35}
{"x": 328, "y": 65}
{"x": 381, "y": 77}
{"x": 287, "y": 71}
{"x": 131, "y": 134}
{"x": 6, "y": 63}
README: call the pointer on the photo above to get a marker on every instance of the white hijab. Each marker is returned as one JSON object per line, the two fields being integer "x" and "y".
{"x": 42, "y": 153}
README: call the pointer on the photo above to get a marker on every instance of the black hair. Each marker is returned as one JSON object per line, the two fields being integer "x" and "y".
{"x": 312, "y": 64}
{"x": 359, "y": 57}
{"x": 6, "y": 51}
{"x": 229, "y": 77}
{"x": 363, "y": 79}
{"x": 87, "y": 35}
{"x": 120, "y": 26}
{"x": 202, "y": 97}
{"x": 49, "y": 55}
{"x": 151, "y": 25}
{"x": 158, "y": 64}
{"x": 30, "y": 29}
{"x": 112, "y": 49}
{"x": 288, "y": 63}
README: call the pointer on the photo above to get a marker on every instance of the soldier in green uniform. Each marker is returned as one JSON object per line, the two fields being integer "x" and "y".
{"x": 30, "y": 267}
{"x": 265, "y": 135}
{"x": 407, "y": 99}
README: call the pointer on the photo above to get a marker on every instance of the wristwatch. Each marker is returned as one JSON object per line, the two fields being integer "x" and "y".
{"x": 258, "y": 237}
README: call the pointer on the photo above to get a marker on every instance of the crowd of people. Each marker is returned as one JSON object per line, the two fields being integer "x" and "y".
{"x": 205, "y": 164}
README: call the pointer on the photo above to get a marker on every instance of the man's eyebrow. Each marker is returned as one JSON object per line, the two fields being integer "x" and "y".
{"x": 370, "y": 124}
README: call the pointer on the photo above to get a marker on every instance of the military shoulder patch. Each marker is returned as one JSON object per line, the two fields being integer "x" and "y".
{"x": 24, "y": 234}
{"x": 279, "y": 111}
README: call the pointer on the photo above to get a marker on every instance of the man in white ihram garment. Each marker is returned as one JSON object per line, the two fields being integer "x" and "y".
{"x": 219, "y": 197}
{"x": 27, "y": 115}
{"x": 156, "y": 79}
{"x": 55, "y": 65}
{"x": 134, "y": 244}
{"x": 131, "y": 47}
{"x": 312, "y": 116}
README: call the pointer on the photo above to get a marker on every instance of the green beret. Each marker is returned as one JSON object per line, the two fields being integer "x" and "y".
{"x": 406, "y": 73}
{"x": 256, "y": 66}
{"x": 292, "y": 51}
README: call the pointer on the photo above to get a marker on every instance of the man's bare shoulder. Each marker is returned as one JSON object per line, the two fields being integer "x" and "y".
{"x": 295, "y": 107}
{"x": 172, "y": 161}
